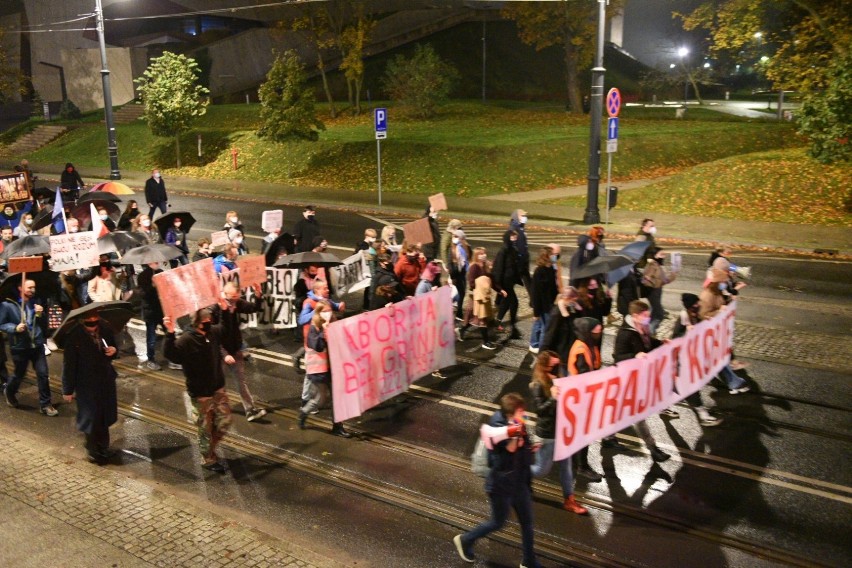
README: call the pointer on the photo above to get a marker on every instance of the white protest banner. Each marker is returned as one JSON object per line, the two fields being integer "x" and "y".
{"x": 73, "y": 251}
{"x": 279, "y": 301}
{"x": 377, "y": 355}
{"x": 597, "y": 404}
{"x": 252, "y": 269}
{"x": 186, "y": 289}
{"x": 272, "y": 220}
{"x": 219, "y": 239}
{"x": 676, "y": 262}
{"x": 352, "y": 275}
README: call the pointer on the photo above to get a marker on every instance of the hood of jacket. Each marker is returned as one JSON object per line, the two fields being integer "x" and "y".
{"x": 582, "y": 240}
{"x": 506, "y": 239}
{"x": 583, "y": 328}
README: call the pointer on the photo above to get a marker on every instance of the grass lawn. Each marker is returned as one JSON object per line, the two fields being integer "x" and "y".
{"x": 778, "y": 185}
{"x": 469, "y": 149}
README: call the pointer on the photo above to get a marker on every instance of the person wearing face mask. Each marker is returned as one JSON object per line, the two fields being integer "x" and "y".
{"x": 432, "y": 250}
{"x": 105, "y": 220}
{"x": 543, "y": 293}
{"x": 646, "y": 232}
{"x": 70, "y": 183}
{"x": 559, "y": 333}
{"x": 518, "y": 223}
{"x": 88, "y": 377}
{"x": 654, "y": 277}
{"x": 713, "y": 299}
{"x": 202, "y": 250}
{"x": 545, "y": 397}
{"x": 72, "y": 225}
{"x": 586, "y": 251}
{"x": 145, "y": 230}
{"x": 506, "y": 274}
{"x": 105, "y": 286}
{"x": 367, "y": 248}
{"x": 306, "y": 229}
{"x": 408, "y": 269}
{"x": 238, "y": 239}
{"x": 389, "y": 243}
{"x": 634, "y": 340}
{"x": 384, "y": 286}
{"x": 176, "y": 237}
{"x": 11, "y": 217}
{"x": 201, "y": 354}
{"x": 155, "y": 194}
{"x": 480, "y": 309}
{"x": 460, "y": 258}
{"x": 232, "y": 221}
{"x": 585, "y": 357}
{"x": 318, "y": 368}
{"x": 125, "y": 222}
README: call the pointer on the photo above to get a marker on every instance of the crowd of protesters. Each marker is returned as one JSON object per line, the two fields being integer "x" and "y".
{"x": 569, "y": 315}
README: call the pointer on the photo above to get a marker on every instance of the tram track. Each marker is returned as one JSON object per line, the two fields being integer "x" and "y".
{"x": 551, "y": 546}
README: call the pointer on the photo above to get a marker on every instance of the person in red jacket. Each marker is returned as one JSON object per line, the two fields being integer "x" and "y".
{"x": 408, "y": 269}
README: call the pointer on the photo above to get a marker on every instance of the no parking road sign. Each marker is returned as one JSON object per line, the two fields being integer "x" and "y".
{"x": 613, "y": 102}
{"x": 381, "y": 122}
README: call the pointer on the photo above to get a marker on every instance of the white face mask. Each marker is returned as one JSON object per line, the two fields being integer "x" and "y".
{"x": 234, "y": 220}
{"x": 146, "y": 223}
{"x": 104, "y": 217}
{"x": 652, "y": 231}
{"x": 482, "y": 257}
{"x": 326, "y": 316}
{"x": 370, "y": 240}
{"x": 590, "y": 246}
{"x": 177, "y": 225}
{"x": 434, "y": 215}
{"x": 455, "y": 240}
{"x": 238, "y": 240}
{"x": 29, "y": 221}
{"x": 72, "y": 229}
{"x": 523, "y": 220}
{"x": 157, "y": 175}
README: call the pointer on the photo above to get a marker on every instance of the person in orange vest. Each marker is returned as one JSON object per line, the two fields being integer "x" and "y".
{"x": 585, "y": 357}
{"x": 317, "y": 367}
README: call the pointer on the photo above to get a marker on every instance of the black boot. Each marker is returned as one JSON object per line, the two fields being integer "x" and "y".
{"x": 302, "y": 418}
{"x": 337, "y": 430}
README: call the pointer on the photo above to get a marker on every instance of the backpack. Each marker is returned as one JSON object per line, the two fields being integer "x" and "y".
{"x": 480, "y": 459}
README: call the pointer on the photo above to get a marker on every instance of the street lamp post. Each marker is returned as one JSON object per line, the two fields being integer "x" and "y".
{"x": 682, "y": 53}
{"x": 112, "y": 146}
{"x": 592, "y": 214}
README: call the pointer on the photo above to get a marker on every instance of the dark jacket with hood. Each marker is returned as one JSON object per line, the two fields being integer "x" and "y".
{"x": 583, "y": 332}
{"x": 559, "y": 333}
{"x": 152, "y": 310}
{"x": 522, "y": 246}
{"x": 201, "y": 356}
{"x": 304, "y": 232}
{"x": 581, "y": 256}
{"x": 629, "y": 342}
{"x": 543, "y": 290}
{"x": 506, "y": 271}
{"x": 432, "y": 250}
{"x": 229, "y": 322}
{"x": 384, "y": 276}
{"x": 72, "y": 179}
{"x": 545, "y": 409}
{"x": 509, "y": 470}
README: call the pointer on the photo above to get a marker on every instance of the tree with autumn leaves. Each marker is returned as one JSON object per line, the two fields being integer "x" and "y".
{"x": 806, "y": 44}
{"x": 568, "y": 24}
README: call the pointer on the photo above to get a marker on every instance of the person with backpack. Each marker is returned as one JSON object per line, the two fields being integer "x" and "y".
{"x": 509, "y": 483}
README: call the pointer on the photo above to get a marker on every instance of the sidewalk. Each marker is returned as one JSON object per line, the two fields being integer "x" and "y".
{"x": 65, "y": 512}
{"x": 701, "y": 231}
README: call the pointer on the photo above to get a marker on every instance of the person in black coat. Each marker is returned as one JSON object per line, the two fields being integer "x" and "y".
{"x": 432, "y": 250}
{"x": 88, "y": 376}
{"x": 506, "y": 274}
{"x": 152, "y": 311}
{"x": 384, "y": 278}
{"x": 559, "y": 333}
{"x": 70, "y": 182}
{"x": 306, "y": 229}
{"x": 155, "y": 194}
{"x": 543, "y": 292}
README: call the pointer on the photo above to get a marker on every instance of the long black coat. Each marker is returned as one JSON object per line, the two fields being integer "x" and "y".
{"x": 88, "y": 373}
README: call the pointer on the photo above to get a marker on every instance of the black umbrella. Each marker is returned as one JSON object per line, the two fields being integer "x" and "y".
{"x": 165, "y": 222}
{"x": 47, "y": 284}
{"x": 44, "y": 193}
{"x": 115, "y": 313}
{"x": 43, "y": 218}
{"x": 283, "y": 244}
{"x": 98, "y": 196}
{"x": 601, "y": 265}
{"x": 83, "y": 211}
{"x": 29, "y": 245}
{"x": 118, "y": 241}
{"x": 302, "y": 259}
{"x": 150, "y": 253}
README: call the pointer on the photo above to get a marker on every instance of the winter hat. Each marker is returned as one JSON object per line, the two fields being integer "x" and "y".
{"x": 722, "y": 263}
{"x": 453, "y": 225}
{"x": 688, "y": 300}
{"x": 234, "y": 233}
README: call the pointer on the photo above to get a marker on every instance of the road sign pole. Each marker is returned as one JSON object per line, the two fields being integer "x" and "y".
{"x": 608, "y": 183}
{"x": 379, "y": 162}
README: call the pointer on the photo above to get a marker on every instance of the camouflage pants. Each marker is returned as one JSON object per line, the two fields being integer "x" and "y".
{"x": 214, "y": 419}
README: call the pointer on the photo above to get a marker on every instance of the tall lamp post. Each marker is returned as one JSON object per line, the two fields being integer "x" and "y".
{"x": 112, "y": 146}
{"x": 682, "y": 53}
{"x": 592, "y": 214}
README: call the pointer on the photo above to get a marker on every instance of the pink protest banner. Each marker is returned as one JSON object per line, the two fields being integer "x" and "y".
{"x": 438, "y": 202}
{"x": 219, "y": 239}
{"x": 252, "y": 270}
{"x": 598, "y": 404}
{"x": 377, "y": 355}
{"x": 188, "y": 288}
{"x": 418, "y": 232}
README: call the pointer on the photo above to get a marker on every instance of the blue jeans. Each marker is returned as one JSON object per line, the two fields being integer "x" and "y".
{"x": 733, "y": 380}
{"x": 544, "y": 461}
{"x": 22, "y": 360}
{"x": 538, "y": 327}
{"x": 151, "y": 338}
{"x": 521, "y": 502}
{"x": 161, "y": 205}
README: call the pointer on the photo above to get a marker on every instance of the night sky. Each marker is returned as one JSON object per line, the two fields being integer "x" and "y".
{"x": 651, "y": 34}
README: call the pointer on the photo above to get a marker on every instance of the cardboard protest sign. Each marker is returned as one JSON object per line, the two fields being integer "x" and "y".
{"x": 279, "y": 301}
{"x": 351, "y": 276}
{"x": 272, "y": 220}
{"x": 676, "y": 262}
{"x": 219, "y": 239}
{"x": 597, "y": 404}
{"x": 418, "y": 231}
{"x": 14, "y": 188}
{"x": 438, "y": 202}
{"x": 74, "y": 250}
{"x": 26, "y": 264}
{"x": 186, "y": 289}
{"x": 252, "y": 270}
{"x": 377, "y": 355}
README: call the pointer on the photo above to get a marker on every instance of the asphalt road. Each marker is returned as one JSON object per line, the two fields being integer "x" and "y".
{"x": 770, "y": 486}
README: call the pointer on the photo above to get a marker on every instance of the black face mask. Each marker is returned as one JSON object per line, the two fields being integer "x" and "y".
{"x": 660, "y": 261}
{"x": 90, "y": 324}
{"x": 206, "y": 326}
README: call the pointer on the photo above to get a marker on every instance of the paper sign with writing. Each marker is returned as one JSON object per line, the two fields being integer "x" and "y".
{"x": 26, "y": 264}
{"x": 186, "y": 289}
{"x": 279, "y": 301}
{"x": 351, "y": 276}
{"x": 74, "y": 250}
{"x": 14, "y": 188}
{"x": 418, "y": 232}
{"x": 438, "y": 202}
{"x": 219, "y": 238}
{"x": 252, "y": 270}
{"x": 272, "y": 220}
{"x": 378, "y": 354}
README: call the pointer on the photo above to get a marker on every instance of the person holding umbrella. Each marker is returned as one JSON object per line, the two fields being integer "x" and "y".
{"x": 88, "y": 377}
{"x": 177, "y": 238}
{"x": 25, "y": 322}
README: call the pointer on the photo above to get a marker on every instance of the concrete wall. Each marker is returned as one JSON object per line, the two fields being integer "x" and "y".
{"x": 83, "y": 75}
{"x": 11, "y": 46}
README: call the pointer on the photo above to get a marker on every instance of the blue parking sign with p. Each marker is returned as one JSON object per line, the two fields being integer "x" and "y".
{"x": 381, "y": 122}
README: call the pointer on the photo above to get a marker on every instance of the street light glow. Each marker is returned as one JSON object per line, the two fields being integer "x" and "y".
{"x": 764, "y": 59}
{"x": 682, "y": 52}
{"x": 758, "y": 35}
{"x": 671, "y": 65}
{"x": 707, "y": 65}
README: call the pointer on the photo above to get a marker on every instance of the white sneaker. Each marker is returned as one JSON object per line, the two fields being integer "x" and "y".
{"x": 46, "y": 350}
{"x": 534, "y": 349}
{"x": 175, "y": 366}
